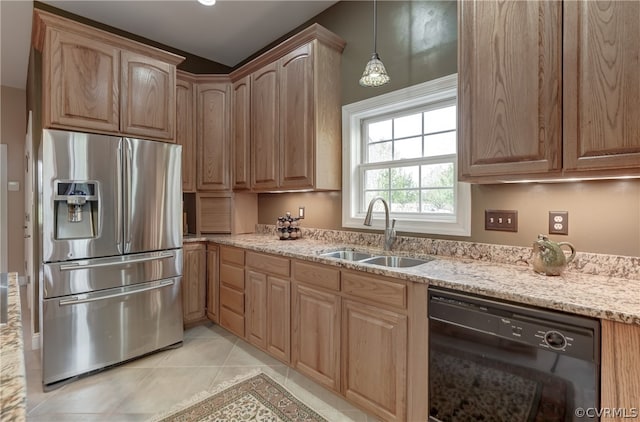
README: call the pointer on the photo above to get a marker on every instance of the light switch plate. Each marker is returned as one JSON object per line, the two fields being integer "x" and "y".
{"x": 501, "y": 220}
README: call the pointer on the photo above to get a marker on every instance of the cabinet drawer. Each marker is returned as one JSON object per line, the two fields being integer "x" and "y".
{"x": 375, "y": 288}
{"x": 232, "y": 299}
{"x": 232, "y": 255}
{"x": 232, "y": 321}
{"x": 268, "y": 264}
{"x": 232, "y": 276}
{"x": 317, "y": 275}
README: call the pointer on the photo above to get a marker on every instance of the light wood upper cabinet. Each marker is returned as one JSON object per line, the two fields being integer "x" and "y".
{"x": 295, "y": 113}
{"x": 212, "y": 134}
{"x": 194, "y": 274}
{"x": 81, "y": 83}
{"x": 509, "y": 89}
{"x": 147, "y": 101}
{"x": 241, "y": 133}
{"x": 185, "y": 130}
{"x": 95, "y": 81}
{"x": 296, "y": 118}
{"x": 602, "y": 87}
{"x": 265, "y": 133}
{"x": 548, "y": 89}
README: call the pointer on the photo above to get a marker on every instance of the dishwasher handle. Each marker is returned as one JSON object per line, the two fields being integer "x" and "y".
{"x": 93, "y": 297}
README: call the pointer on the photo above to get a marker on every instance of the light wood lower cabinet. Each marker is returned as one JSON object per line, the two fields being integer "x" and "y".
{"x": 374, "y": 359}
{"x": 620, "y": 368}
{"x": 212, "y": 282}
{"x": 193, "y": 282}
{"x": 268, "y": 304}
{"x": 231, "y": 309}
{"x": 316, "y": 334}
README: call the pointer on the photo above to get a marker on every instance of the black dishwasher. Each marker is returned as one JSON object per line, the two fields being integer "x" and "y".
{"x": 497, "y": 361}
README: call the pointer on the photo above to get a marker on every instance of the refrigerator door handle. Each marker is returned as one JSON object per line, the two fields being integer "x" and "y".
{"x": 127, "y": 194}
{"x": 119, "y": 228}
{"x": 118, "y": 261}
{"x": 93, "y": 297}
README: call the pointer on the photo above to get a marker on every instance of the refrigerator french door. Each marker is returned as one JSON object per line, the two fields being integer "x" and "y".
{"x": 111, "y": 267}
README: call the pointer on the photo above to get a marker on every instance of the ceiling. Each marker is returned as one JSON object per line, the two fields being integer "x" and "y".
{"x": 227, "y": 33}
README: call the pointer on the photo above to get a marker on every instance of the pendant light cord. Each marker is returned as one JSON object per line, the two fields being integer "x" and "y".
{"x": 375, "y": 29}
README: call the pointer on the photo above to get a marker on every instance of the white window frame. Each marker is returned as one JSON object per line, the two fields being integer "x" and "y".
{"x": 424, "y": 94}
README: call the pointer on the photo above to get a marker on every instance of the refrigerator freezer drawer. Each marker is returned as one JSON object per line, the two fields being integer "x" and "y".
{"x": 77, "y": 277}
{"x": 85, "y": 332}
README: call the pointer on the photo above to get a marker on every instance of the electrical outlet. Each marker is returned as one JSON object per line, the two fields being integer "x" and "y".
{"x": 501, "y": 220}
{"x": 558, "y": 222}
{"x": 301, "y": 213}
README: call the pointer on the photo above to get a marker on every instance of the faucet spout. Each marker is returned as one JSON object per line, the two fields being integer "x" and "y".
{"x": 389, "y": 231}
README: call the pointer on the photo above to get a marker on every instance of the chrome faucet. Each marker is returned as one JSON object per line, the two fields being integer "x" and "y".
{"x": 389, "y": 232}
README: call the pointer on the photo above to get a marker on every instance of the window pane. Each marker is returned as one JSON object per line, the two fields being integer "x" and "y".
{"x": 407, "y": 126}
{"x": 440, "y": 144}
{"x": 380, "y": 131}
{"x": 377, "y": 207}
{"x": 380, "y": 152}
{"x": 437, "y": 201}
{"x": 405, "y": 177}
{"x": 440, "y": 119}
{"x": 376, "y": 179}
{"x": 408, "y": 148}
{"x": 405, "y": 201}
{"x": 437, "y": 175}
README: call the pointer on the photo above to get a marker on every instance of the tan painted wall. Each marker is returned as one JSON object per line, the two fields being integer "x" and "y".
{"x": 417, "y": 41}
{"x": 12, "y": 132}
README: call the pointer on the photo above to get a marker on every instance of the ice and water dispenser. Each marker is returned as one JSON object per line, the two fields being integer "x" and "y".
{"x": 76, "y": 209}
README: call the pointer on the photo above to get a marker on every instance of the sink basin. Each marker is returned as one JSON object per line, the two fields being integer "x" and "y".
{"x": 394, "y": 261}
{"x": 347, "y": 254}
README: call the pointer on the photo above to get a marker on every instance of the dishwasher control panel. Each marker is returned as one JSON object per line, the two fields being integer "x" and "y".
{"x": 555, "y": 331}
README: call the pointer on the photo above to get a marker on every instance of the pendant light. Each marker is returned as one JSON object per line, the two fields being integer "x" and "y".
{"x": 207, "y": 2}
{"x": 374, "y": 73}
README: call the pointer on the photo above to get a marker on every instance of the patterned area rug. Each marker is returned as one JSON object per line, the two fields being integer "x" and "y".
{"x": 470, "y": 391}
{"x": 254, "y": 397}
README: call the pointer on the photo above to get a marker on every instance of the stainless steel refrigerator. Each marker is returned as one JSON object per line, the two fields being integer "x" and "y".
{"x": 110, "y": 217}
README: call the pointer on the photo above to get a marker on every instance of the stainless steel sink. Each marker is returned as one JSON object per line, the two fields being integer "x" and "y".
{"x": 394, "y": 261}
{"x": 347, "y": 254}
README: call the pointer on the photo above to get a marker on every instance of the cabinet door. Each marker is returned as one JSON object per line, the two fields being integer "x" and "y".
{"x": 256, "y": 308}
{"x": 297, "y": 118}
{"x": 148, "y": 97}
{"x": 316, "y": 335}
{"x": 279, "y": 318}
{"x": 241, "y": 131}
{"x": 375, "y": 338}
{"x": 620, "y": 368}
{"x": 185, "y": 132}
{"x": 212, "y": 282}
{"x": 509, "y": 89}
{"x": 213, "y": 213}
{"x": 193, "y": 282}
{"x": 601, "y": 86}
{"x": 81, "y": 83}
{"x": 213, "y": 136}
{"x": 264, "y": 128}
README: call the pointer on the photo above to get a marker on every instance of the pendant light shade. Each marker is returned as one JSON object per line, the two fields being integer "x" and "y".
{"x": 374, "y": 73}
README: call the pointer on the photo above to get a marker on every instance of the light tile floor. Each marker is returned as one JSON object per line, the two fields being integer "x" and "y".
{"x": 141, "y": 388}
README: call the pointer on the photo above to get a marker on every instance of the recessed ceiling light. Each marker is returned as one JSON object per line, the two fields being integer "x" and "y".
{"x": 207, "y": 2}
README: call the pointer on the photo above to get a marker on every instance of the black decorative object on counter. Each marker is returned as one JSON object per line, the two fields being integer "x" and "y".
{"x": 288, "y": 228}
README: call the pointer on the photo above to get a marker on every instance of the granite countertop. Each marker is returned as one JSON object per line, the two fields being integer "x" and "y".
{"x": 13, "y": 395}
{"x": 599, "y": 296}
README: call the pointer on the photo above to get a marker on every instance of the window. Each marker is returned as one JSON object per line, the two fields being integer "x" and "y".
{"x": 401, "y": 146}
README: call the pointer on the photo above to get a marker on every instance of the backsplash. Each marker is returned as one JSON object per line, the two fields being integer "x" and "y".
{"x": 585, "y": 262}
